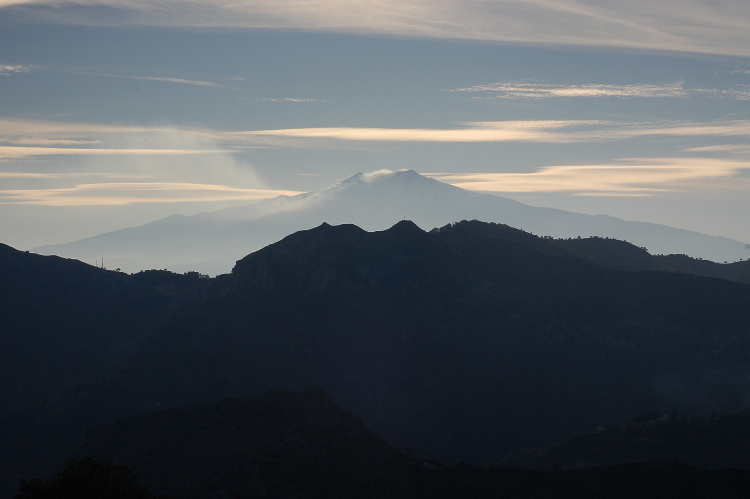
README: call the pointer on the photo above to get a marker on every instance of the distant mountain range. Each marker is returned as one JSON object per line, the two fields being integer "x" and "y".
{"x": 211, "y": 242}
{"x": 468, "y": 342}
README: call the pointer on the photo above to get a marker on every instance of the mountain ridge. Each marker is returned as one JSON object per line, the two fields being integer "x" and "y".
{"x": 210, "y": 242}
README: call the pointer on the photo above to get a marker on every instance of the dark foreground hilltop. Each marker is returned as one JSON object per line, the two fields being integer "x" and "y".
{"x": 287, "y": 444}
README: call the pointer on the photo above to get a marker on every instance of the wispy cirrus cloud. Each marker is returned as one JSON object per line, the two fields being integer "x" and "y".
{"x": 38, "y": 175}
{"x": 541, "y": 131}
{"x": 704, "y": 26}
{"x": 738, "y": 92}
{"x": 19, "y": 151}
{"x": 286, "y": 99}
{"x": 14, "y": 129}
{"x": 6, "y": 69}
{"x": 520, "y": 90}
{"x": 626, "y": 177}
{"x": 500, "y": 131}
{"x": 49, "y": 138}
{"x": 524, "y": 90}
{"x": 180, "y": 81}
{"x": 722, "y": 148}
{"x": 20, "y": 138}
{"x": 125, "y": 193}
{"x": 31, "y": 141}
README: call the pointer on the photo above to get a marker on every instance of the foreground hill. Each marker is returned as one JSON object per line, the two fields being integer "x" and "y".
{"x": 211, "y": 242}
{"x": 465, "y": 343}
{"x": 302, "y": 444}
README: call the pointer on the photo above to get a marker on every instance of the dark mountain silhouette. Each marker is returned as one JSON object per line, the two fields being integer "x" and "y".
{"x": 626, "y": 256}
{"x": 737, "y": 271}
{"x": 711, "y": 441}
{"x": 211, "y": 242}
{"x": 465, "y": 343}
{"x": 63, "y": 318}
{"x": 615, "y": 254}
{"x": 302, "y": 444}
{"x": 65, "y": 324}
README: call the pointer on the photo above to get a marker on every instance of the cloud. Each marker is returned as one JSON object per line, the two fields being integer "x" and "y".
{"x": 725, "y": 148}
{"x": 47, "y": 138}
{"x": 542, "y": 131}
{"x": 515, "y": 131}
{"x": 115, "y": 193}
{"x": 19, "y": 152}
{"x": 376, "y": 175}
{"x": 287, "y": 99}
{"x": 30, "y": 141}
{"x": 43, "y": 133}
{"x": 11, "y": 129}
{"x": 704, "y": 26}
{"x": 44, "y": 138}
{"x": 182, "y": 81}
{"x": 738, "y": 92}
{"x": 520, "y": 90}
{"x": 37, "y": 175}
{"x": 514, "y": 90}
{"x": 191, "y": 160}
{"x": 634, "y": 177}
{"x": 6, "y": 69}
{"x": 726, "y": 128}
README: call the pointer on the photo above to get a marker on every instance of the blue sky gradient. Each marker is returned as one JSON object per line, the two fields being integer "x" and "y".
{"x": 114, "y": 114}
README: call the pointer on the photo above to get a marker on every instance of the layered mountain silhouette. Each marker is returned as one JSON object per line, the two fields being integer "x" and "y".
{"x": 468, "y": 342}
{"x": 211, "y": 242}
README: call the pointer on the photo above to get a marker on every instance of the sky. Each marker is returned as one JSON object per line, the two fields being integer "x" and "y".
{"x": 115, "y": 113}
